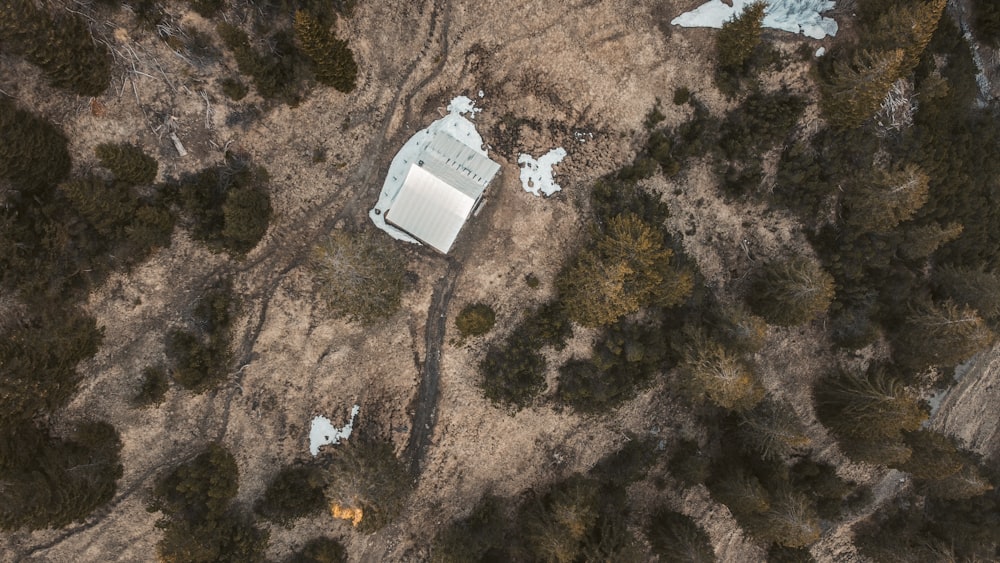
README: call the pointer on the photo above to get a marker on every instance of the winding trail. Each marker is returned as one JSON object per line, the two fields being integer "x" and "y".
{"x": 425, "y": 413}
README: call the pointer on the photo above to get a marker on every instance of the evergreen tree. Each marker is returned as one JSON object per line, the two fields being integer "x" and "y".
{"x": 109, "y": 207}
{"x": 130, "y": 164}
{"x": 940, "y": 334}
{"x": 888, "y": 199}
{"x": 791, "y": 292}
{"x": 721, "y": 376}
{"x": 855, "y": 89}
{"x": 742, "y": 493}
{"x": 367, "y": 481}
{"x": 908, "y": 26}
{"x": 688, "y": 464}
{"x": 920, "y": 241}
{"x": 513, "y": 372}
{"x": 986, "y": 21}
{"x": 970, "y": 287}
{"x": 320, "y": 550}
{"x": 247, "y": 213}
{"x": 792, "y": 520}
{"x": 48, "y": 482}
{"x": 933, "y": 456}
{"x": 869, "y": 406}
{"x": 38, "y": 360}
{"x": 33, "y": 155}
{"x": 627, "y": 268}
{"x": 200, "y": 490}
{"x": 968, "y": 482}
{"x": 361, "y": 276}
{"x": 61, "y": 46}
{"x": 296, "y": 491}
{"x": 739, "y": 36}
{"x": 773, "y": 430}
{"x": 676, "y": 537}
{"x": 481, "y": 536}
{"x": 154, "y": 386}
{"x": 334, "y": 60}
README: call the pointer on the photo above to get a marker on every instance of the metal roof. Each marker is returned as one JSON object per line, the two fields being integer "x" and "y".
{"x": 430, "y": 209}
{"x": 440, "y": 190}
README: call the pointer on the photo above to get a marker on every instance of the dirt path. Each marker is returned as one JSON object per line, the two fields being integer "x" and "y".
{"x": 425, "y": 410}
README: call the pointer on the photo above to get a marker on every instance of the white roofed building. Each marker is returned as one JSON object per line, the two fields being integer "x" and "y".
{"x": 441, "y": 188}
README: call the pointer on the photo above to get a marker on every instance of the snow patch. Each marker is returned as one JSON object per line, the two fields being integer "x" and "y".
{"x": 455, "y": 125}
{"x": 536, "y": 175}
{"x": 324, "y": 432}
{"x": 794, "y": 16}
{"x": 820, "y": 52}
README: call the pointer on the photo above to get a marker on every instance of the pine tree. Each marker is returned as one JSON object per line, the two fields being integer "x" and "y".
{"x": 933, "y": 455}
{"x": 856, "y": 88}
{"x": 474, "y": 537}
{"x": 940, "y": 334}
{"x": 627, "y": 268}
{"x": 109, "y": 207}
{"x": 38, "y": 361}
{"x": 247, "y": 213}
{"x": 676, "y": 537}
{"x": 62, "y": 47}
{"x": 130, "y": 164}
{"x": 920, "y": 241}
{"x": 334, "y": 60}
{"x": 739, "y": 36}
{"x": 791, "y": 292}
{"x": 792, "y": 520}
{"x": 320, "y": 550}
{"x": 742, "y": 493}
{"x": 721, "y": 376}
{"x": 888, "y": 199}
{"x": 968, "y": 482}
{"x": 908, "y": 26}
{"x": 867, "y": 406}
{"x": 970, "y": 287}
{"x": 200, "y": 490}
{"x": 296, "y": 491}
{"x": 33, "y": 154}
{"x": 773, "y": 430}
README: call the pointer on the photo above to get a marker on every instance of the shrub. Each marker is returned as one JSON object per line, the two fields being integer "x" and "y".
{"x": 234, "y": 88}
{"x": 482, "y": 535}
{"x": 682, "y": 95}
{"x": 154, "y": 387}
{"x": 247, "y": 214}
{"x": 198, "y": 490}
{"x": 296, "y": 491}
{"x": 229, "y": 205}
{"x": 320, "y": 550}
{"x": 475, "y": 319}
{"x": 130, "y": 164}
{"x": 201, "y": 357}
{"x": 208, "y": 8}
{"x": 333, "y": 59}
{"x": 512, "y": 373}
{"x": 676, "y": 537}
{"x": 360, "y": 275}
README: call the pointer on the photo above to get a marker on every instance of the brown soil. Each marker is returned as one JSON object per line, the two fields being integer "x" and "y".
{"x": 579, "y": 74}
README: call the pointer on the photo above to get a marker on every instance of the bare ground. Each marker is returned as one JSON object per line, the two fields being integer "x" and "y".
{"x": 580, "y": 74}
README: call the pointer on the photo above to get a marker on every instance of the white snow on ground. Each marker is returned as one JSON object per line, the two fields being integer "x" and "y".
{"x": 453, "y": 123}
{"x": 536, "y": 175}
{"x": 820, "y": 52}
{"x": 324, "y": 432}
{"x": 795, "y": 16}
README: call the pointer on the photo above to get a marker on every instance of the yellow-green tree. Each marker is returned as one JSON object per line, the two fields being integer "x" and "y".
{"x": 740, "y": 36}
{"x": 940, "y": 334}
{"x": 907, "y": 25}
{"x": 856, "y": 87}
{"x": 791, "y": 292}
{"x": 720, "y": 375}
{"x": 886, "y": 199}
{"x": 334, "y": 60}
{"x": 626, "y": 269}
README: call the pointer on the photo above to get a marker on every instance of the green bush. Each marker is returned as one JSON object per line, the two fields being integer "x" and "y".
{"x": 128, "y": 163}
{"x": 475, "y": 319}
{"x": 154, "y": 387}
{"x": 320, "y": 550}
{"x": 296, "y": 491}
{"x": 512, "y": 373}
